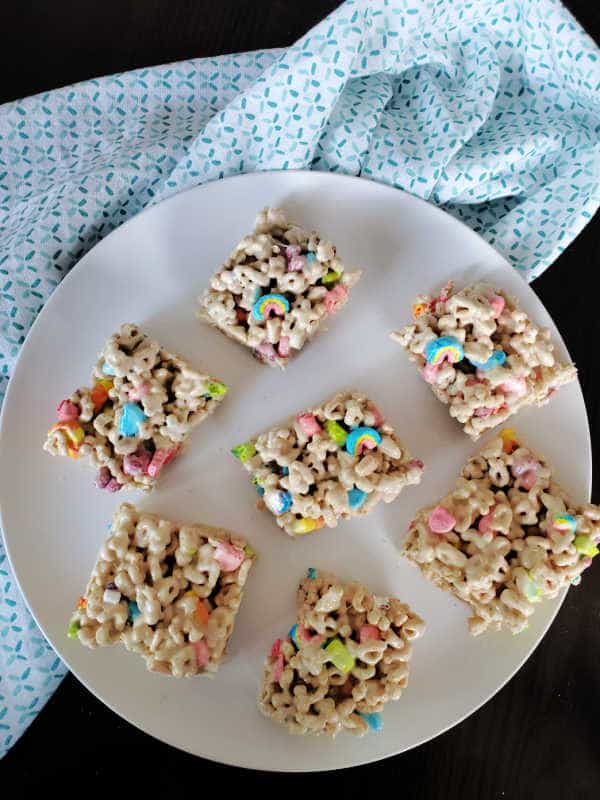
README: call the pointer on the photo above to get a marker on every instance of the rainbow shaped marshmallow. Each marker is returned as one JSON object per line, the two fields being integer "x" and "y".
{"x": 445, "y": 348}
{"x": 270, "y": 304}
{"x": 564, "y": 523}
{"x": 361, "y": 438}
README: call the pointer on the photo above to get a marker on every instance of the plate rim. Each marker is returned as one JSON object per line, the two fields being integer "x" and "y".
{"x": 47, "y": 309}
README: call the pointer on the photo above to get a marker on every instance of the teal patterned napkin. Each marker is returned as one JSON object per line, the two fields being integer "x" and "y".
{"x": 489, "y": 109}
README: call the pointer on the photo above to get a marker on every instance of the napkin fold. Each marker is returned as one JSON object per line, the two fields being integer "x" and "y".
{"x": 489, "y": 109}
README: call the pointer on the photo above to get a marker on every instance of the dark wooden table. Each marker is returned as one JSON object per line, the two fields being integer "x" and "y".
{"x": 540, "y": 736}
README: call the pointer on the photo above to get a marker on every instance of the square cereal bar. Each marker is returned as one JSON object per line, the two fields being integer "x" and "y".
{"x": 334, "y": 461}
{"x": 168, "y": 592}
{"x": 276, "y": 288}
{"x": 505, "y": 538}
{"x": 138, "y": 414}
{"x": 482, "y": 355}
{"x": 346, "y": 657}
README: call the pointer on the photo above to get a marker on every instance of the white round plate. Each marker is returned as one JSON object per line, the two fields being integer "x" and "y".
{"x": 150, "y": 272}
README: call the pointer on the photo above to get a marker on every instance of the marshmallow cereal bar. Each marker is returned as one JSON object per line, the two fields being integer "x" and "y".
{"x": 138, "y": 414}
{"x": 168, "y": 592}
{"x": 277, "y": 288}
{"x": 482, "y": 355}
{"x": 334, "y": 461}
{"x": 345, "y": 658}
{"x": 505, "y": 538}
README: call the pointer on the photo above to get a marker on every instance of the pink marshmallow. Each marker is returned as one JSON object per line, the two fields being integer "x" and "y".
{"x": 523, "y": 465}
{"x": 276, "y": 648}
{"x": 103, "y": 477}
{"x": 415, "y": 463}
{"x": 369, "y": 633}
{"x": 441, "y": 520}
{"x": 484, "y": 412}
{"x": 266, "y": 351}
{"x": 292, "y": 250}
{"x": 137, "y": 463}
{"x": 486, "y": 522}
{"x": 497, "y": 303}
{"x": 67, "y": 411}
{"x": 309, "y": 424}
{"x": 104, "y": 480}
{"x": 283, "y": 347}
{"x": 296, "y": 264}
{"x": 516, "y": 386}
{"x": 309, "y": 638}
{"x": 228, "y": 556}
{"x": 430, "y": 372}
{"x": 335, "y": 297}
{"x": 141, "y": 391}
{"x": 202, "y": 653}
{"x": 160, "y": 459}
{"x": 278, "y": 668}
{"x": 528, "y": 479}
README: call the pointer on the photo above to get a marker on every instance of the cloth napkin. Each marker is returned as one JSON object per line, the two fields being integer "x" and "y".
{"x": 489, "y": 109}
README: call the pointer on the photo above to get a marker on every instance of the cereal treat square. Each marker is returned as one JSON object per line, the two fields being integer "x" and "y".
{"x": 346, "y": 657}
{"x": 482, "y": 355}
{"x": 331, "y": 462}
{"x": 138, "y": 414}
{"x": 506, "y": 538}
{"x": 277, "y": 288}
{"x": 168, "y": 592}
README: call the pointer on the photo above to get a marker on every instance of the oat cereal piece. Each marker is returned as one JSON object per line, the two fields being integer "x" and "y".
{"x": 507, "y": 537}
{"x": 138, "y": 414}
{"x": 345, "y": 658}
{"x": 168, "y": 592}
{"x": 482, "y": 355}
{"x": 331, "y": 462}
{"x": 276, "y": 288}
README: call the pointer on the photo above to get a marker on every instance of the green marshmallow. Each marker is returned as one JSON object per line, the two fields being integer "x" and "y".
{"x": 244, "y": 451}
{"x": 331, "y": 277}
{"x": 340, "y": 656}
{"x": 585, "y": 546}
{"x": 217, "y": 389}
{"x": 73, "y": 629}
{"x": 336, "y": 432}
